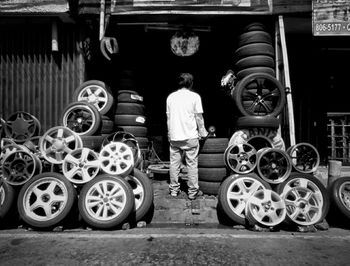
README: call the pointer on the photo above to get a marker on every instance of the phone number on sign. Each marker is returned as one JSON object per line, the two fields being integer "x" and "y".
{"x": 332, "y": 27}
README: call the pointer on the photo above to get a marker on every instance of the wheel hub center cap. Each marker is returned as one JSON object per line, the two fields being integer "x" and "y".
{"x": 59, "y": 144}
{"x": 45, "y": 197}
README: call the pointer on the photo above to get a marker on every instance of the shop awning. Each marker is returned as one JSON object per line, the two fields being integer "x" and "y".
{"x": 12, "y": 7}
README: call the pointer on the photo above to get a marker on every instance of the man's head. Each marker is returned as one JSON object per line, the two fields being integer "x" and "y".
{"x": 185, "y": 80}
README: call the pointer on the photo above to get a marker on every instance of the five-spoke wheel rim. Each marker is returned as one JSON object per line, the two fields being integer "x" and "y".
{"x": 21, "y": 126}
{"x": 266, "y": 207}
{"x": 241, "y": 158}
{"x": 45, "y": 199}
{"x": 81, "y": 166}
{"x": 116, "y": 158}
{"x": 95, "y": 95}
{"x": 57, "y": 142}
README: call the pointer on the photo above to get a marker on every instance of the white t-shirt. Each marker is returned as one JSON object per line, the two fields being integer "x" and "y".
{"x": 181, "y": 107}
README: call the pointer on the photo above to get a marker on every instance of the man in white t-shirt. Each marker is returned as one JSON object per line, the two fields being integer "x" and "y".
{"x": 185, "y": 126}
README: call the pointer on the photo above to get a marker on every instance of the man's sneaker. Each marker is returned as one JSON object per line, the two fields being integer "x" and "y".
{"x": 195, "y": 195}
{"x": 174, "y": 193}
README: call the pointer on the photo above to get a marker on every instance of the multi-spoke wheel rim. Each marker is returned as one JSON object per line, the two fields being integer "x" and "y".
{"x": 260, "y": 94}
{"x": 95, "y": 95}
{"x": 266, "y": 207}
{"x": 344, "y": 194}
{"x": 305, "y": 157}
{"x": 128, "y": 139}
{"x": 81, "y": 166}
{"x": 80, "y": 118}
{"x": 239, "y": 191}
{"x": 2, "y": 194}
{"x": 304, "y": 201}
{"x": 21, "y": 126}
{"x": 105, "y": 200}
{"x": 116, "y": 159}
{"x": 241, "y": 158}
{"x": 45, "y": 199}
{"x": 20, "y": 166}
{"x": 137, "y": 189}
{"x": 273, "y": 165}
{"x": 57, "y": 142}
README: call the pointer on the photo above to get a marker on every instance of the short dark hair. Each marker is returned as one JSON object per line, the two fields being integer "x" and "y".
{"x": 185, "y": 80}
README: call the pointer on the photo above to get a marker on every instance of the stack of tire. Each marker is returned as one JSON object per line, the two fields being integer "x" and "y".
{"x": 211, "y": 166}
{"x": 261, "y": 170}
{"x": 89, "y": 115}
{"x": 130, "y": 116}
{"x": 255, "y": 52}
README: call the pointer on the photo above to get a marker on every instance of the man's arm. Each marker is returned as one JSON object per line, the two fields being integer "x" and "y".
{"x": 200, "y": 125}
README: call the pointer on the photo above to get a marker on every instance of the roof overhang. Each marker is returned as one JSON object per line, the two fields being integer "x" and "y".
{"x": 33, "y": 7}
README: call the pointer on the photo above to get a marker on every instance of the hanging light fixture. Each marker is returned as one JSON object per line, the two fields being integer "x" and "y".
{"x": 184, "y": 43}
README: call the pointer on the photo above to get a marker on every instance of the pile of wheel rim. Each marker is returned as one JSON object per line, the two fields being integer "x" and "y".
{"x": 54, "y": 178}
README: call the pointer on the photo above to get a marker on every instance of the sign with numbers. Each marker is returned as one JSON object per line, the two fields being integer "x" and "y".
{"x": 330, "y": 17}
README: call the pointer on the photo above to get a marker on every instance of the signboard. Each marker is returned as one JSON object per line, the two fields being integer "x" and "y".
{"x": 330, "y": 17}
{"x": 190, "y": 6}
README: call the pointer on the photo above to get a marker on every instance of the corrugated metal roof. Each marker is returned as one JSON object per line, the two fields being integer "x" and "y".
{"x": 33, "y": 6}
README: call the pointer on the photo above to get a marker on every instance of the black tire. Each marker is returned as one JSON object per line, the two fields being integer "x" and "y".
{"x": 85, "y": 127}
{"x": 129, "y": 120}
{"x": 113, "y": 222}
{"x": 35, "y": 217}
{"x": 254, "y": 26}
{"x": 137, "y": 131}
{"x": 337, "y": 198}
{"x": 143, "y": 202}
{"x": 7, "y": 199}
{"x": 254, "y": 49}
{"x": 209, "y": 188}
{"x": 252, "y": 70}
{"x": 214, "y": 160}
{"x": 107, "y": 125}
{"x": 229, "y": 185}
{"x": 313, "y": 182}
{"x": 130, "y": 109}
{"x": 266, "y": 121}
{"x": 105, "y": 108}
{"x": 213, "y": 145}
{"x": 256, "y": 36}
{"x": 212, "y": 174}
{"x": 92, "y": 142}
{"x": 129, "y": 96}
{"x": 255, "y": 61}
{"x": 264, "y": 94}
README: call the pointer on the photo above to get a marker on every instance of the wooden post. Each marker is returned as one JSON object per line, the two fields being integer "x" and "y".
{"x": 287, "y": 83}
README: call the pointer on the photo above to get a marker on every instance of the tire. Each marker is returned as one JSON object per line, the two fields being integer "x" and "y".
{"x": 257, "y": 121}
{"x": 234, "y": 206}
{"x": 255, "y": 61}
{"x": 107, "y": 125}
{"x": 259, "y": 138}
{"x": 137, "y": 131}
{"x": 129, "y": 120}
{"x": 254, "y": 49}
{"x": 129, "y": 96}
{"x": 143, "y": 193}
{"x": 7, "y": 199}
{"x": 82, "y": 92}
{"x": 255, "y": 26}
{"x": 37, "y": 217}
{"x": 252, "y": 70}
{"x": 92, "y": 142}
{"x": 209, "y": 188}
{"x": 89, "y": 214}
{"x": 306, "y": 183}
{"x": 213, "y": 145}
{"x": 339, "y": 200}
{"x": 263, "y": 94}
{"x": 130, "y": 109}
{"x": 212, "y": 174}
{"x": 256, "y": 36}
{"x": 81, "y": 125}
{"x": 214, "y": 160}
